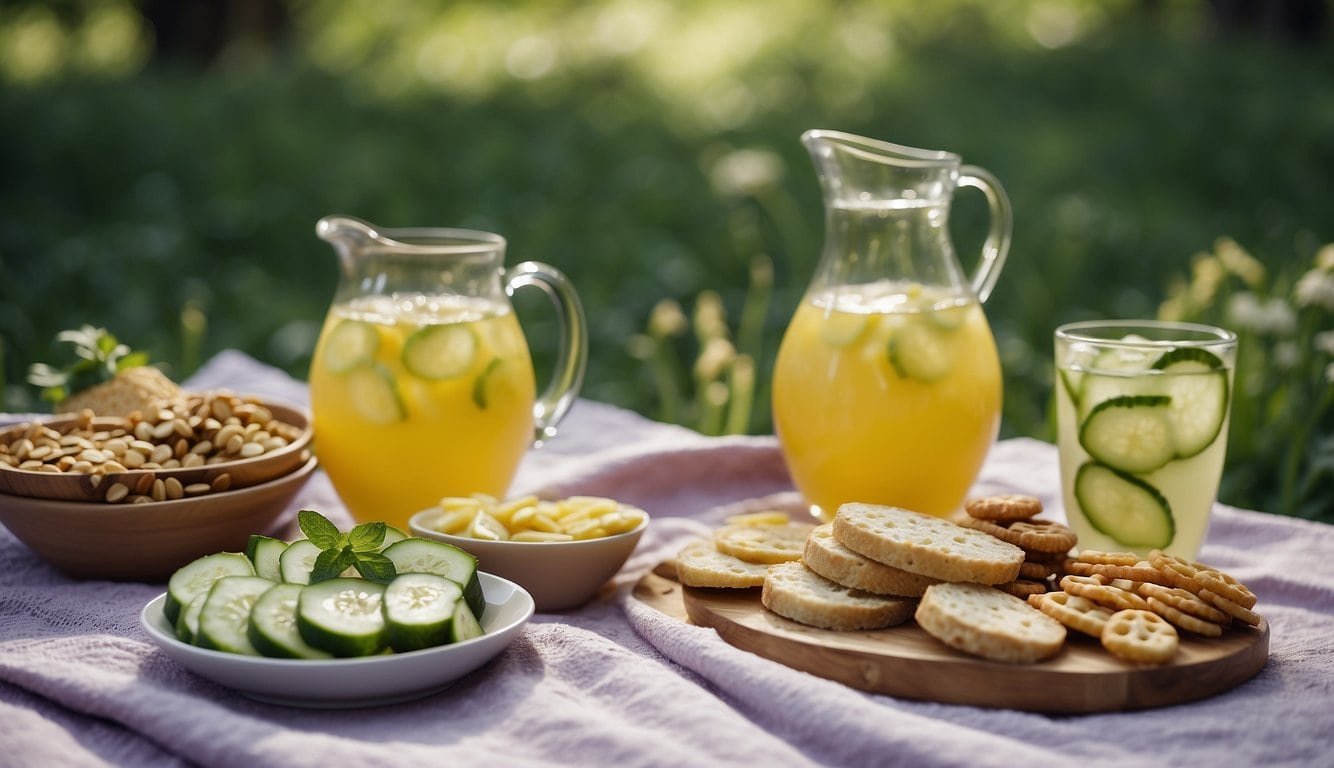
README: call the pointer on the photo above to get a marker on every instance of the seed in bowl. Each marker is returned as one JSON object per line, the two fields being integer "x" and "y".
{"x": 531, "y": 519}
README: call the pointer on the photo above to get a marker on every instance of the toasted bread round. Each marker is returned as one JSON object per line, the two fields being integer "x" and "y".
{"x": 793, "y": 591}
{"x": 830, "y": 559}
{"x": 925, "y": 545}
{"x": 767, "y": 544}
{"x": 987, "y": 622}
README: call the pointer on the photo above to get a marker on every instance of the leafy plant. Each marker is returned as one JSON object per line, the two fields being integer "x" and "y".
{"x": 99, "y": 358}
{"x": 357, "y": 548}
{"x": 1281, "y": 439}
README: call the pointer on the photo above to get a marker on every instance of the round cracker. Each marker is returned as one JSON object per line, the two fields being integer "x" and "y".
{"x": 700, "y": 564}
{"x": 767, "y": 544}
{"x": 929, "y": 546}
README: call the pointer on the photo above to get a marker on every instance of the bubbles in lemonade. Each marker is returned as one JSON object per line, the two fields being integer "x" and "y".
{"x": 417, "y": 397}
{"x": 886, "y": 393}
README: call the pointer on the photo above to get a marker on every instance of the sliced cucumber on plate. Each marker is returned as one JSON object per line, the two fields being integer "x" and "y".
{"x": 419, "y": 610}
{"x": 343, "y": 616}
{"x": 415, "y": 555}
{"x": 273, "y": 626}
{"x": 224, "y": 620}
{"x": 197, "y": 578}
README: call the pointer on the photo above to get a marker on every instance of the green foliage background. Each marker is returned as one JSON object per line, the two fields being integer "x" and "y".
{"x": 177, "y": 206}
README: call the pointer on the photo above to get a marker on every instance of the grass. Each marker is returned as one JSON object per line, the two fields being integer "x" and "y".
{"x": 178, "y": 208}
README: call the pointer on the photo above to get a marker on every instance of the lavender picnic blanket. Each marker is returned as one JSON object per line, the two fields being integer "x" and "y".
{"x": 618, "y": 683}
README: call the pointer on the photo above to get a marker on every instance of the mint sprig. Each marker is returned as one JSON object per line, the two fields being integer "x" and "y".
{"x": 358, "y": 548}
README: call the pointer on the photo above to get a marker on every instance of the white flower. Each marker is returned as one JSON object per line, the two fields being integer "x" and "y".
{"x": 1287, "y": 355}
{"x": 746, "y": 171}
{"x": 1324, "y": 342}
{"x": 1315, "y": 289}
{"x": 1273, "y": 317}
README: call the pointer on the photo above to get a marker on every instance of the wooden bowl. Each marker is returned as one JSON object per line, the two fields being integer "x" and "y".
{"x": 73, "y": 486}
{"x": 147, "y": 542}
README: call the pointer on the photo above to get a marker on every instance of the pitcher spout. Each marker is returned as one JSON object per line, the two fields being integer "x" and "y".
{"x": 856, "y": 171}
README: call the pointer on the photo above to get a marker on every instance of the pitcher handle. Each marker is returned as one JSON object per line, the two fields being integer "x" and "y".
{"x": 572, "y": 354}
{"x": 997, "y": 245}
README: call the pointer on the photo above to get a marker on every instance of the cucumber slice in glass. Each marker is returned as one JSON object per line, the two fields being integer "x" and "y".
{"x": 351, "y": 344}
{"x": 374, "y": 394}
{"x": 440, "y": 351}
{"x": 416, "y": 555}
{"x": 922, "y": 351}
{"x": 1124, "y": 507}
{"x": 419, "y": 610}
{"x": 1197, "y": 383}
{"x": 225, "y": 618}
{"x": 342, "y": 616}
{"x": 1131, "y": 433}
{"x": 196, "y": 578}
{"x": 265, "y": 552}
{"x": 272, "y": 629}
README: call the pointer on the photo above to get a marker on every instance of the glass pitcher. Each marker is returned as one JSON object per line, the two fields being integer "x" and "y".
{"x": 421, "y": 385}
{"x": 887, "y": 385}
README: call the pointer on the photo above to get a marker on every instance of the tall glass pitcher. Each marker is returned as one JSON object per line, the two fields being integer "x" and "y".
{"x": 421, "y": 385}
{"x": 887, "y": 386}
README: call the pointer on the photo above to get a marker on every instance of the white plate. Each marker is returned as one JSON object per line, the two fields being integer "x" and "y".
{"x": 360, "y": 682}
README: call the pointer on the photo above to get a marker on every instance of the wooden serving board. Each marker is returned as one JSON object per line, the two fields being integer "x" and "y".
{"x": 906, "y": 662}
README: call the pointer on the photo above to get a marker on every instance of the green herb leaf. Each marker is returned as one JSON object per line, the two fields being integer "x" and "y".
{"x": 375, "y": 567}
{"x": 366, "y": 537}
{"x": 319, "y": 530}
{"x": 331, "y": 563}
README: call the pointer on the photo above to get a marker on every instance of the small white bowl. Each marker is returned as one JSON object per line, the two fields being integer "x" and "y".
{"x": 558, "y": 574}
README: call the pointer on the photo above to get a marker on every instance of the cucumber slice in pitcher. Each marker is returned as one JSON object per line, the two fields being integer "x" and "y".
{"x": 374, "y": 394}
{"x": 1123, "y": 507}
{"x": 840, "y": 329}
{"x": 272, "y": 629}
{"x": 351, "y": 343}
{"x": 922, "y": 351}
{"x": 342, "y": 616}
{"x": 419, "y": 610}
{"x": 479, "y": 385}
{"x": 196, "y": 578}
{"x": 415, "y": 555}
{"x": 225, "y": 618}
{"x": 440, "y": 351}
{"x": 1197, "y": 383}
{"x": 1131, "y": 433}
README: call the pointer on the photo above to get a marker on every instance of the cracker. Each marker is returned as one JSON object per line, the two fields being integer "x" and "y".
{"x": 1023, "y": 587}
{"x": 766, "y": 544}
{"x": 1141, "y": 636}
{"x": 986, "y": 622}
{"x": 1186, "y": 601}
{"x": 1097, "y": 557}
{"x": 1185, "y": 620}
{"x": 830, "y": 559}
{"x": 1176, "y": 571}
{"x": 1140, "y": 571}
{"x": 1005, "y": 507}
{"x": 1224, "y": 585}
{"x": 700, "y": 564}
{"x": 1235, "y": 610}
{"x": 929, "y": 546}
{"x": 1036, "y": 571}
{"x": 1037, "y": 535}
{"x": 1075, "y": 612}
{"x": 796, "y": 592}
{"x": 1096, "y": 589}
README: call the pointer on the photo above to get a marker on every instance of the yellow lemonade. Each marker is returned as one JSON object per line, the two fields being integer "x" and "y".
{"x": 419, "y": 397}
{"x": 886, "y": 393}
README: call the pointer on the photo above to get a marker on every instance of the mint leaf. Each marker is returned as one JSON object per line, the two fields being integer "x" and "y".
{"x": 366, "y": 537}
{"x": 331, "y": 563}
{"x": 319, "y": 530}
{"x": 375, "y": 567}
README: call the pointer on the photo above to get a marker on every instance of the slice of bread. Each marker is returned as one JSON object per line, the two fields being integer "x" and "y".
{"x": 925, "y": 545}
{"x": 794, "y": 591}
{"x": 700, "y": 564}
{"x": 989, "y": 623}
{"x": 830, "y": 559}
